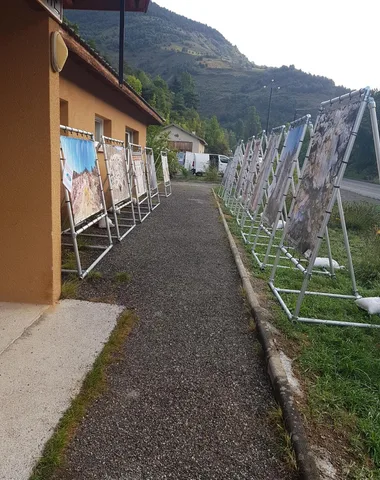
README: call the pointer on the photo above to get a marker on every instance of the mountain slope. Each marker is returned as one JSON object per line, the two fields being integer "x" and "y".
{"x": 164, "y": 43}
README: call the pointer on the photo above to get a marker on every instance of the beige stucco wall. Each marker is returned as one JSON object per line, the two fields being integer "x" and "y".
{"x": 30, "y": 242}
{"x": 30, "y": 180}
{"x": 87, "y": 96}
{"x": 178, "y": 135}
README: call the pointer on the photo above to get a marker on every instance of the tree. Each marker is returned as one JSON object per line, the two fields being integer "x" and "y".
{"x": 232, "y": 139}
{"x": 179, "y": 103}
{"x": 188, "y": 89}
{"x": 135, "y": 83}
{"x": 164, "y": 97}
{"x": 74, "y": 26}
{"x": 159, "y": 141}
{"x": 192, "y": 122}
{"x": 362, "y": 162}
{"x": 176, "y": 85}
{"x": 91, "y": 42}
{"x": 252, "y": 124}
{"x": 239, "y": 129}
{"x": 191, "y": 99}
{"x": 215, "y": 137}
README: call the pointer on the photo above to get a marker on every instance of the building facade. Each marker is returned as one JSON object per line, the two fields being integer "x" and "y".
{"x": 184, "y": 141}
{"x": 35, "y": 100}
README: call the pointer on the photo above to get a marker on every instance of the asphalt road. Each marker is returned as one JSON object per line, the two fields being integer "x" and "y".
{"x": 368, "y": 190}
{"x": 191, "y": 398}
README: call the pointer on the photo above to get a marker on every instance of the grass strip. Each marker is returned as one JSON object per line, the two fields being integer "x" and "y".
{"x": 95, "y": 383}
{"x": 338, "y": 366}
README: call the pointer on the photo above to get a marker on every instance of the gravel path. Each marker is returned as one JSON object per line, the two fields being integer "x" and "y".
{"x": 191, "y": 399}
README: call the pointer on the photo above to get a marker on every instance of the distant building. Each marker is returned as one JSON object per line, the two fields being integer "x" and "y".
{"x": 184, "y": 141}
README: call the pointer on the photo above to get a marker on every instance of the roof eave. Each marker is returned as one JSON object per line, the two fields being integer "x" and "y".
{"x": 110, "y": 5}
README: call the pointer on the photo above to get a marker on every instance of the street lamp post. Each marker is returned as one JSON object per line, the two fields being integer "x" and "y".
{"x": 270, "y": 101}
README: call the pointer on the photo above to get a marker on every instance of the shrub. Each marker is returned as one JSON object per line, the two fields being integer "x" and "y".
{"x": 211, "y": 174}
{"x": 367, "y": 269}
{"x": 361, "y": 217}
{"x": 185, "y": 172}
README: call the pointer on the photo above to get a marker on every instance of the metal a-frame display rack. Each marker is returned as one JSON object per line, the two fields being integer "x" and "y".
{"x": 318, "y": 191}
{"x": 81, "y": 147}
{"x": 119, "y": 181}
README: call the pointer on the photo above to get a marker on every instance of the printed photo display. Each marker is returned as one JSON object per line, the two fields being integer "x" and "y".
{"x": 85, "y": 195}
{"x": 151, "y": 169}
{"x": 165, "y": 167}
{"x": 329, "y": 144}
{"x": 138, "y": 164}
{"x": 262, "y": 177}
{"x": 118, "y": 172}
{"x": 284, "y": 170}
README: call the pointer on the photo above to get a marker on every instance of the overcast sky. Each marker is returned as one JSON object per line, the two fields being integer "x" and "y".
{"x": 333, "y": 38}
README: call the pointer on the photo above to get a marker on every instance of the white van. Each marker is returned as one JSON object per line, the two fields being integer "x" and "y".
{"x": 223, "y": 161}
{"x": 199, "y": 163}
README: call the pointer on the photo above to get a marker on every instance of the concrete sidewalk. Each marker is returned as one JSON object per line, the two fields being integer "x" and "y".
{"x": 45, "y": 357}
{"x": 190, "y": 399}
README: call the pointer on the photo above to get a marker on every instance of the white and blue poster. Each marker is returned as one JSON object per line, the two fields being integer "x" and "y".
{"x": 85, "y": 194}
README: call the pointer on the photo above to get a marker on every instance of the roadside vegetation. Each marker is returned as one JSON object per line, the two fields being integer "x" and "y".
{"x": 70, "y": 288}
{"x": 338, "y": 367}
{"x": 212, "y": 175}
{"x": 208, "y": 177}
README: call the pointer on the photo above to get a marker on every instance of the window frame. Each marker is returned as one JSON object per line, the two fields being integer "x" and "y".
{"x": 100, "y": 121}
{"x": 130, "y": 134}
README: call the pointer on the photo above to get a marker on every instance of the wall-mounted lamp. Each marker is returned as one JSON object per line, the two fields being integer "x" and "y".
{"x": 59, "y": 52}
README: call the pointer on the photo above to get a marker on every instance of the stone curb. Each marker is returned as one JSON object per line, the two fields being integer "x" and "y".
{"x": 283, "y": 393}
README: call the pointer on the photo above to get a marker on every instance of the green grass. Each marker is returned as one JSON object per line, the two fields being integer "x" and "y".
{"x": 69, "y": 288}
{"x": 82, "y": 242}
{"x": 69, "y": 260}
{"x": 185, "y": 172}
{"x": 363, "y": 216}
{"x": 94, "y": 385}
{"x": 94, "y": 275}
{"x": 212, "y": 175}
{"x": 123, "y": 277}
{"x": 277, "y": 419}
{"x": 198, "y": 178}
{"x": 339, "y": 366}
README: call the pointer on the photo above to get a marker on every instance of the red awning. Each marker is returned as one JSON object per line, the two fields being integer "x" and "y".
{"x": 130, "y": 5}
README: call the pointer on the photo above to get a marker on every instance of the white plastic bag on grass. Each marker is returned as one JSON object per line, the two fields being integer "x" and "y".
{"x": 370, "y": 304}
{"x": 324, "y": 262}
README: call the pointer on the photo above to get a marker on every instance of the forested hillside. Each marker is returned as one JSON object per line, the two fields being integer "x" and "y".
{"x": 188, "y": 70}
{"x": 164, "y": 43}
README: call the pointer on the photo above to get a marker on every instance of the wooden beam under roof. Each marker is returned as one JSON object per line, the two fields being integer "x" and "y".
{"x": 130, "y": 5}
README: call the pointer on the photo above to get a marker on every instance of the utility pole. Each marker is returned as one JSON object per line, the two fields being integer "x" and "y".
{"x": 121, "y": 42}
